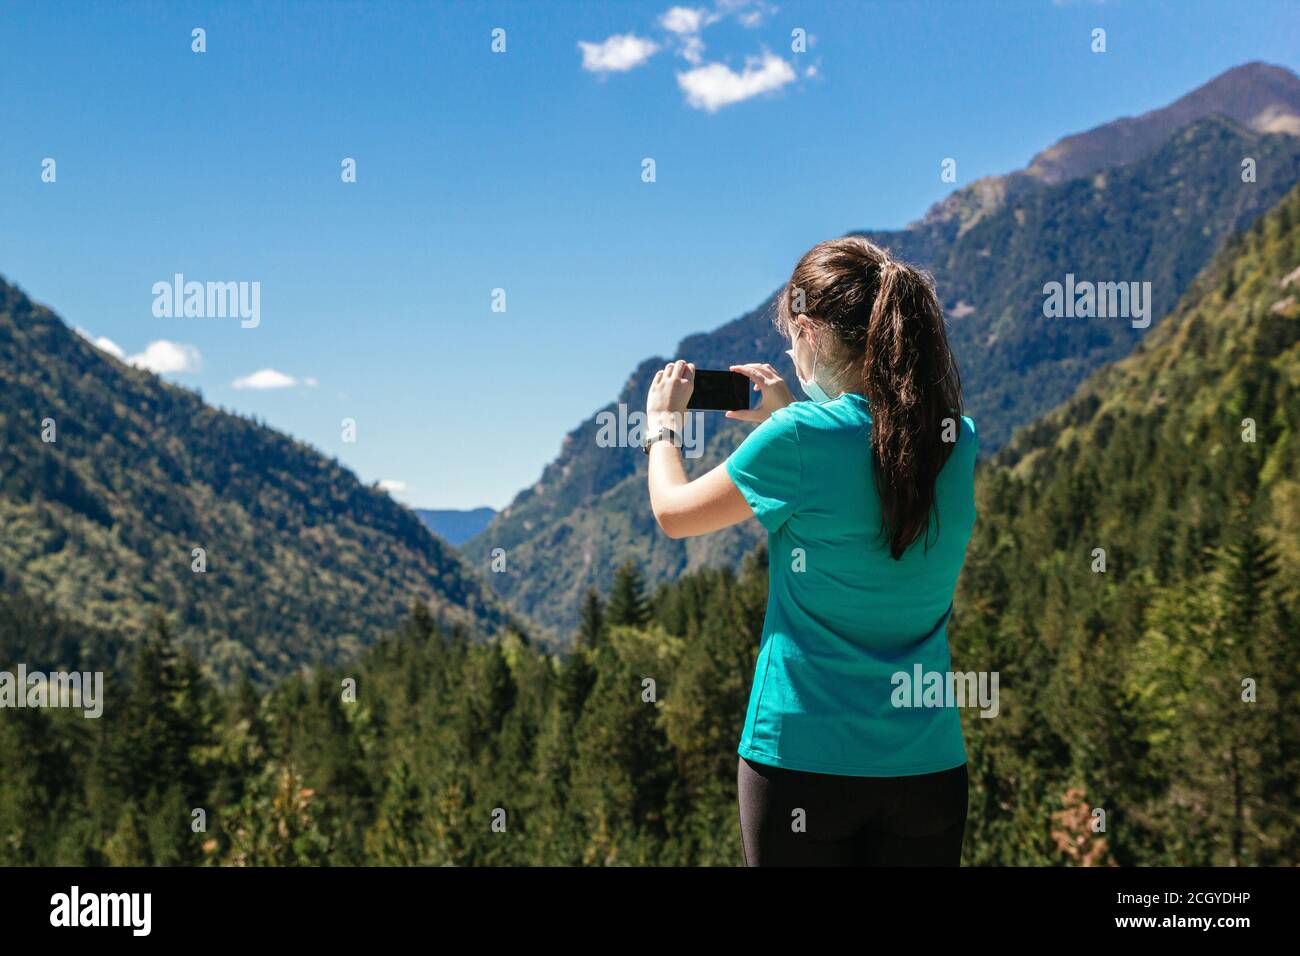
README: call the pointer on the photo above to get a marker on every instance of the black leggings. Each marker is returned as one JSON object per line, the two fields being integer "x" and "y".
{"x": 850, "y": 821}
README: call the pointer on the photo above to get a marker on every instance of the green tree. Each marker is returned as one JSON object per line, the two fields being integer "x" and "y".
{"x": 591, "y": 627}
{"x": 627, "y": 603}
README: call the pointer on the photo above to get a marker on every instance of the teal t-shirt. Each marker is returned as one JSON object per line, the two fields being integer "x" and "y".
{"x": 843, "y": 617}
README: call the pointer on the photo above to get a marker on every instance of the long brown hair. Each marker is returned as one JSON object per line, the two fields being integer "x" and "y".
{"x": 888, "y": 343}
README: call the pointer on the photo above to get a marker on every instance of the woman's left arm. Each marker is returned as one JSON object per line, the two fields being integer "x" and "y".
{"x": 685, "y": 508}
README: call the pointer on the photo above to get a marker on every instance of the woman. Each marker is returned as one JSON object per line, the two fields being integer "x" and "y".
{"x": 867, "y": 494}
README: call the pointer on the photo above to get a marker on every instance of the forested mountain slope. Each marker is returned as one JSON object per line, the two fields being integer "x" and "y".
{"x": 304, "y": 563}
{"x": 1135, "y": 579}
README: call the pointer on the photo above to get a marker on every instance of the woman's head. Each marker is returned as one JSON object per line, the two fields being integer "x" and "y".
{"x": 862, "y": 322}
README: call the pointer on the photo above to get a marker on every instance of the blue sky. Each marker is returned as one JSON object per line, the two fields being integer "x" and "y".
{"x": 521, "y": 171}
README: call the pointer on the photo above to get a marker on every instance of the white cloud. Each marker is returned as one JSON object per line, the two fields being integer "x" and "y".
{"x": 716, "y": 85}
{"x": 618, "y": 54}
{"x": 692, "y": 50}
{"x": 264, "y": 379}
{"x": 310, "y": 382}
{"x": 393, "y": 486}
{"x": 687, "y": 23}
{"x": 682, "y": 20}
{"x": 750, "y": 13}
{"x": 103, "y": 343}
{"x": 163, "y": 358}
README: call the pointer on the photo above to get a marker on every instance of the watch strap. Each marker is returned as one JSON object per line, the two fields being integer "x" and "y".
{"x": 660, "y": 434}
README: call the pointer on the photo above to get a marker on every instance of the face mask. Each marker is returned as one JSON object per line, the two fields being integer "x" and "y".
{"x": 810, "y": 387}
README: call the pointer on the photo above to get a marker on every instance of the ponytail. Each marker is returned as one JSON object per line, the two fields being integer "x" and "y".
{"x": 910, "y": 380}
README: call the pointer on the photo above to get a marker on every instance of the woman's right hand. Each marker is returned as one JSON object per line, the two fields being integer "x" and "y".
{"x": 776, "y": 394}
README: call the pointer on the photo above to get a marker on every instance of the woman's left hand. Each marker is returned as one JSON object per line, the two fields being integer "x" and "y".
{"x": 669, "y": 392}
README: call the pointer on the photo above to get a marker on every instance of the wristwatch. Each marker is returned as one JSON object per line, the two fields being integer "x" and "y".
{"x": 659, "y": 434}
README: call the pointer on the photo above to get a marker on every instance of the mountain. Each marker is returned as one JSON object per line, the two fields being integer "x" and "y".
{"x": 304, "y": 563}
{"x": 1258, "y": 96}
{"x": 1134, "y": 579}
{"x": 1157, "y": 218}
{"x": 453, "y": 526}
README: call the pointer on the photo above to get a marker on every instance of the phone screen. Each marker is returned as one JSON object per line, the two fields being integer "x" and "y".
{"x": 719, "y": 391}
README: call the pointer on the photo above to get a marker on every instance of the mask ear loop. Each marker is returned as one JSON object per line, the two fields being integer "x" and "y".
{"x": 817, "y": 351}
{"x": 811, "y": 381}
{"x": 798, "y": 331}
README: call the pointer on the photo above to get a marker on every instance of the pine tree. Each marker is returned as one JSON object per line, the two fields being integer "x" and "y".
{"x": 627, "y": 603}
{"x": 163, "y": 725}
{"x": 558, "y": 834}
{"x": 1241, "y": 647}
{"x": 591, "y": 629}
{"x": 400, "y": 836}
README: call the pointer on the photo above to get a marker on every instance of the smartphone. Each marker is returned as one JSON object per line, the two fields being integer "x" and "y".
{"x": 719, "y": 391}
